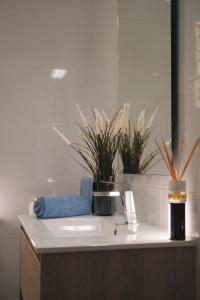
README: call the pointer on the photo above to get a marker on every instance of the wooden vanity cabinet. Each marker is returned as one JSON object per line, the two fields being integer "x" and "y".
{"x": 164, "y": 273}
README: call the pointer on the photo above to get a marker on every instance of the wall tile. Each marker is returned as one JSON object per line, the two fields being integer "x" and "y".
{"x": 163, "y": 208}
{"x": 36, "y": 37}
{"x": 19, "y": 43}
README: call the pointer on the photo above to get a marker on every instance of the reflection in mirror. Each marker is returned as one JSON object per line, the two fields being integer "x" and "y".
{"x": 144, "y": 33}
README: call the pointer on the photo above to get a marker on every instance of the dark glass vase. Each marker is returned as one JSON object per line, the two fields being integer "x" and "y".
{"x": 103, "y": 202}
{"x": 132, "y": 168}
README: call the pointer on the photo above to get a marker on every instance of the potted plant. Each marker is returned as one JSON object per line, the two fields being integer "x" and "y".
{"x": 100, "y": 142}
{"x": 133, "y": 142}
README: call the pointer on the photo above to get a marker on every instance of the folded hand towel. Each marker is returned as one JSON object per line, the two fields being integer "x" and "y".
{"x": 62, "y": 206}
{"x": 86, "y": 187}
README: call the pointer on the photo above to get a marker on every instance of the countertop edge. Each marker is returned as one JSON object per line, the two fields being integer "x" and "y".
{"x": 174, "y": 244}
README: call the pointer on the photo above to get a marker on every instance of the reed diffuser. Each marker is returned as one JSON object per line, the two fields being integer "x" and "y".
{"x": 176, "y": 188}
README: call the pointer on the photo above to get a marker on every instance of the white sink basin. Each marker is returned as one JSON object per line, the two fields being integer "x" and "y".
{"x": 85, "y": 226}
{"x": 91, "y": 233}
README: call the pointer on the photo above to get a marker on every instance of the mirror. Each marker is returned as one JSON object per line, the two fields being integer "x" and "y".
{"x": 144, "y": 37}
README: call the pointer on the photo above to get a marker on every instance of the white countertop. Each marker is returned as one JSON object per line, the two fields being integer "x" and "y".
{"x": 92, "y": 233}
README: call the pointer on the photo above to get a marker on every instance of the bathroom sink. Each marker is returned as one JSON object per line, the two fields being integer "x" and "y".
{"x": 91, "y": 233}
{"x": 79, "y": 233}
{"x": 79, "y": 227}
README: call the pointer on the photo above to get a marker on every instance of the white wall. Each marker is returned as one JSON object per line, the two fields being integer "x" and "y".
{"x": 104, "y": 54}
{"x": 36, "y": 37}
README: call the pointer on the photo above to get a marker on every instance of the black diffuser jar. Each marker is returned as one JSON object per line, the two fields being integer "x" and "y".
{"x": 177, "y": 211}
{"x": 177, "y": 199}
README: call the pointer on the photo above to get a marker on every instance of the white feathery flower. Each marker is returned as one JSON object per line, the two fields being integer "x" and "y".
{"x": 141, "y": 121}
{"x": 151, "y": 119}
{"x": 122, "y": 119}
{"x": 62, "y": 136}
{"x": 82, "y": 116}
{"x": 119, "y": 115}
{"x": 128, "y": 109}
{"x": 98, "y": 121}
{"x": 123, "y": 115}
{"x": 117, "y": 122}
{"x": 126, "y": 119}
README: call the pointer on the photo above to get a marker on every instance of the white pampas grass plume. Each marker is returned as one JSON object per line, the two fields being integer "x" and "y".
{"x": 98, "y": 121}
{"x": 141, "y": 120}
{"x": 151, "y": 119}
{"x": 123, "y": 117}
{"x": 62, "y": 136}
{"x": 82, "y": 116}
{"x": 126, "y": 117}
{"x": 118, "y": 122}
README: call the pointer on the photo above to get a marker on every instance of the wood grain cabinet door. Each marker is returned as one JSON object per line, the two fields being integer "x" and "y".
{"x": 142, "y": 274}
{"x": 133, "y": 274}
{"x": 30, "y": 271}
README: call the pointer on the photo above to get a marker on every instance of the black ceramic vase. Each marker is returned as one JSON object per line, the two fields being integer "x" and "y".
{"x": 177, "y": 211}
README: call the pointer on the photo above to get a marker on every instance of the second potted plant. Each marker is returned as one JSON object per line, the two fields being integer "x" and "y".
{"x": 133, "y": 142}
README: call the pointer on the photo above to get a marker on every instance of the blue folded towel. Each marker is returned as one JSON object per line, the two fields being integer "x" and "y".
{"x": 86, "y": 187}
{"x": 62, "y": 206}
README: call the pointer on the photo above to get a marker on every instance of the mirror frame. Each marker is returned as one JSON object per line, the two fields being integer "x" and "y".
{"x": 174, "y": 73}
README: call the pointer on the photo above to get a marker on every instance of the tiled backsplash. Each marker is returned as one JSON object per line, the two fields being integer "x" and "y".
{"x": 150, "y": 195}
{"x": 151, "y": 200}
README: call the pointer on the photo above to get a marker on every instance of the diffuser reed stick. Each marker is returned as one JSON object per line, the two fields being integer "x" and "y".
{"x": 180, "y": 156}
{"x": 166, "y": 163}
{"x": 190, "y": 157}
{"x": 169, "y": 162}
